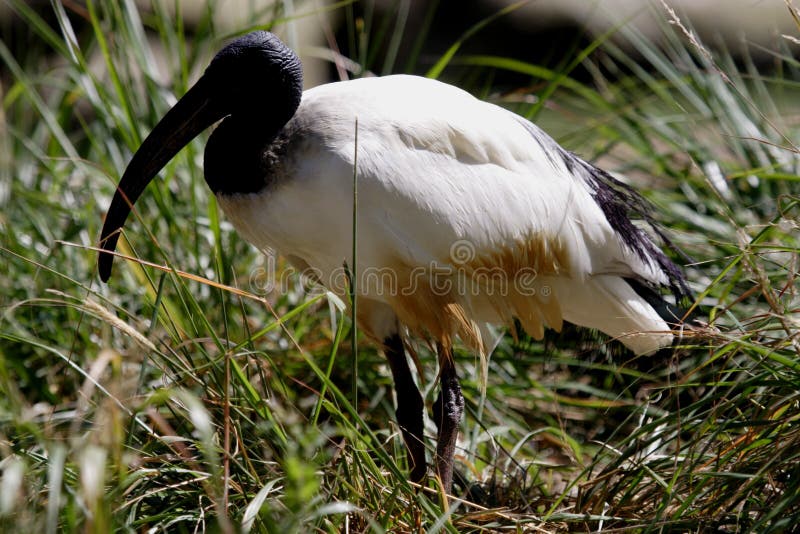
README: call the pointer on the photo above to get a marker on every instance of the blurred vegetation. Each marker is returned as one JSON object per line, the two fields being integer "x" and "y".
{"x": 170, "y": 402}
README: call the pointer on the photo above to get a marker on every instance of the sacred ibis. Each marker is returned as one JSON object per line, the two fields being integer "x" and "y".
{"x": 468, "y": 214}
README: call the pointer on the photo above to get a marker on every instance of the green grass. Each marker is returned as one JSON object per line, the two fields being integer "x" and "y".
{"x": 163, "y": 401}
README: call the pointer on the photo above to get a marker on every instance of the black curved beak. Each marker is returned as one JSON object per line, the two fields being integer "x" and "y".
{"x": 193, "y": 113}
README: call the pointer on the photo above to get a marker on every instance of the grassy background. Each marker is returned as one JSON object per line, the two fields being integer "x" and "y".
{"x": 170, "y": 402}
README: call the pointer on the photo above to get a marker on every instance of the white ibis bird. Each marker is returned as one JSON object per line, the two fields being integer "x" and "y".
{"x": 467, "y": 213}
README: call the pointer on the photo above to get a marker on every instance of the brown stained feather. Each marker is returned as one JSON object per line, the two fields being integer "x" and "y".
{"x": 522, "y": 268}
{"x": 434, "y": 306}
{"x": 546, "y": 256}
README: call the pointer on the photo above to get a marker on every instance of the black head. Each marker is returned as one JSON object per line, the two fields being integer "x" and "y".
{"x": 255, "y": 72}
{"x": 255, "y": 75}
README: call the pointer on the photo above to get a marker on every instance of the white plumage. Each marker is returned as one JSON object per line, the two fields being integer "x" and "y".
{"x": 439, "y": 169}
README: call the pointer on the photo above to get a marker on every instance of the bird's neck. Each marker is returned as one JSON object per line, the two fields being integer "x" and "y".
{"x": 239, "y": 156}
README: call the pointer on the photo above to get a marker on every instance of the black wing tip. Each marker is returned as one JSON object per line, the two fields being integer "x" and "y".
{"x": 619, "y": 202}
{"x": 677, "y": 313}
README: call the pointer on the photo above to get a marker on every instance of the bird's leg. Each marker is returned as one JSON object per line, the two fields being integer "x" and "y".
{"x": 447, "y": 412}
{"x": 409, "y": 406}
